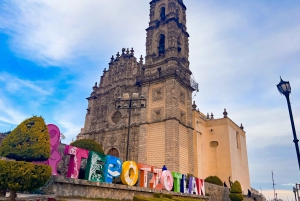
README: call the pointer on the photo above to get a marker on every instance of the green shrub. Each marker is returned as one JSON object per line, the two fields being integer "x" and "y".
{"x": 30, "y": 141}
{"x": 23, "y": 176}
{"x": 88, "y": 144}
{"x": 214, "y": 180}
{"x": 236, "y": 187}
{"x": 236, "y": 192}
{"x": 236, "y": 197}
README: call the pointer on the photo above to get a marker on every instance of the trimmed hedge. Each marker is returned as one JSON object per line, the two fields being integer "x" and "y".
{"x": 236, "y": 187}
{"x": 236, "y": 197}
{"x": 214, "y": 180}
{"x": 88, "y": 144}
{"x": 23, "y": 176}
{"x": 30, "y": 141}
{"x": 236, "y": 192}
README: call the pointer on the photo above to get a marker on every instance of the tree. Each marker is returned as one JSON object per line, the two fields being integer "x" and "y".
{"x": 27, "y": 143}
{"x": 236, "y": 192}
{"x": 88, "y": 144}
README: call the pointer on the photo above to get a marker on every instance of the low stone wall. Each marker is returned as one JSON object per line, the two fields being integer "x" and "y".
{"x": 82, "y": 188}
{"x": 220, "y": 193}
{"x": 217, "y": 193}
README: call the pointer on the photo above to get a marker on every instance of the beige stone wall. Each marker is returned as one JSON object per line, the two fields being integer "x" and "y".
{"x": 156, "y": 144}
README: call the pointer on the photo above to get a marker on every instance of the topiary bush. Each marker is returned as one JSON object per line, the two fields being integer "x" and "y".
{"x": 23, "y": 176}
{"x": 236, "y": 197}
{"x": 214, "y": 180}
{"x": 29, "y": 141}
{"x": 88, "y": 144}
{"x": 236, "y": 187}
{"x": 236, "y": 192}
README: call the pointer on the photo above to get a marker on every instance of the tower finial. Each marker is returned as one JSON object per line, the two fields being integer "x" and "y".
{"x": 141, "y": 59}
{"x": 131, "y": 52}
{"x": 225, "y": 113}
{"x": 194, "y": 105}
{"x": 112, "y": 59}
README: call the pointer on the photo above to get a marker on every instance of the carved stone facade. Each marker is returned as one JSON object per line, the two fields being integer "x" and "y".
{"x": 166, "y": 132}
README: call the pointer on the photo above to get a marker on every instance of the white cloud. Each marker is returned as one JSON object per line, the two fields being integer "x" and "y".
{"x": 9, "y": 114}
{"x": 14, "y": 84}
{"x": 56, "y": 32}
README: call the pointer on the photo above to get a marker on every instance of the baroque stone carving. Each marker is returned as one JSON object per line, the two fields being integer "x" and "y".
{"x": 157, "y": 94}
{"x": 116, "y": 117}
{"x": 157, "y": 114}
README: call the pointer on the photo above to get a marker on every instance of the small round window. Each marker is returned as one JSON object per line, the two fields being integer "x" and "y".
{"x": 213, "y": 144}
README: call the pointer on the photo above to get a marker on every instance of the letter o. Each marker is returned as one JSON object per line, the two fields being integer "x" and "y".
{"x": 167, "y": 180}
{"x": 130, "y": 173}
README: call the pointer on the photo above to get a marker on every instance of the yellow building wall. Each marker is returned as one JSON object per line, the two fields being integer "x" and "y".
{"x": 228, "y": 158}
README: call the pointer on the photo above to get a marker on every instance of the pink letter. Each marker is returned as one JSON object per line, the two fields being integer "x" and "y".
{"x": 55, "y": 156}
{"x": 167, "y": 180}
{"x": 200, "y": 186}
{"x": 144, "y": 174}
{"x": 75, "y": 160}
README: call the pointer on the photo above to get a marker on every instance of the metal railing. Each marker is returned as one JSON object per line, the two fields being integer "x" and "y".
{"x": 183, "y": 77}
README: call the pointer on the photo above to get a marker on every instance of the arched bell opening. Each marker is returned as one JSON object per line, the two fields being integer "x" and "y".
{"x": 163, "y": 13}
{"x": 161, "y": 45}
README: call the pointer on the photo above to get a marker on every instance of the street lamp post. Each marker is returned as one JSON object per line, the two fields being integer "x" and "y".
{"x": 285, "y": 89}
{"x": 130, "y": 103}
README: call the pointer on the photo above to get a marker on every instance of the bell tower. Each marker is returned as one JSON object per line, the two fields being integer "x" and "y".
{"x": 167, "y": 36}
{"x": 165, "y": 132}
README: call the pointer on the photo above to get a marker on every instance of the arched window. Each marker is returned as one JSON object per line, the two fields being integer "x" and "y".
{"x": 113, "y": 152}
{"x": 161, "y": 46}
{"x": 163, "y": 13}
{"x": 177, "y": 14}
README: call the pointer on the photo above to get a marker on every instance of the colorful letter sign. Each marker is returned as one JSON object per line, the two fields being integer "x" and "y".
{"x": 103, "y": 168}
{"x": 130, "y": 173}
{"x": 144, "y": 169}
{"x": 94, "y": 170}
{"x": 177, "y": 177}
{"x": 167, "y": 180}
{"x": 75, "y": 160}
{"x": 154, "y": 182}
{"x": 193, "y": 186}
{"x": 113, "y": 168}
{"x": 55, "y": 156}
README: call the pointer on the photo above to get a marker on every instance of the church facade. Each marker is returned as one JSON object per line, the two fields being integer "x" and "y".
{"x": 168, "y": 129}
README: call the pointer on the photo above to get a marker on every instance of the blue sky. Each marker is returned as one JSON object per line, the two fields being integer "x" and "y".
{"x": 52, "y": 53}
